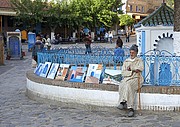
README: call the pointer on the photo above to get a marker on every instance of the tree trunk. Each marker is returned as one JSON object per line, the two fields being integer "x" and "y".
{"x": 65, "y": 31}
{"x": 177, "y": 27}
{"x": 79, "y": 32}
{"x": 177, "y": 15}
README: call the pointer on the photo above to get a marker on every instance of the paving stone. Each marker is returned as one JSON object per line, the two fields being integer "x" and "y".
{"x": 176, "y": 124}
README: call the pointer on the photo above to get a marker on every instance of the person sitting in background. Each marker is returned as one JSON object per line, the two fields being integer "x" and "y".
{"x": 38, "y": 46}
{"x": 118, "y": 53}
{"x": 131, "y": 72}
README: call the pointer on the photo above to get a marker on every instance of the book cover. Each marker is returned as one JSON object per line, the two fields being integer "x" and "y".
{"x": 39, "y": 69}
{"x": 94, "y": 73}
{"x": 53, "y": 70}
{"x": 112, "y": 76}
{"x": 45, "y": 69}
{"x": 77, "y": 74}
{"x": 62, "y": 72}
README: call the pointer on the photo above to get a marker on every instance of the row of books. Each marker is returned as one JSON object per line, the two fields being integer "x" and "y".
{"x": 92, "y": 74}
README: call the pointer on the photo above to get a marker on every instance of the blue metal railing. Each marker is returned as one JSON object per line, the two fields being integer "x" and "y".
{"x": 161, "y": 67}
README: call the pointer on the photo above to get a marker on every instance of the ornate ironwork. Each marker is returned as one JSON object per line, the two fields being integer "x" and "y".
{"x": 161, "y": 67}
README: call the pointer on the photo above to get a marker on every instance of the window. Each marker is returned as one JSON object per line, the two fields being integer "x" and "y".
{"x": 131, "y": 8}
{"x": 137, "y": 10}
{"x": 142, "y": 10}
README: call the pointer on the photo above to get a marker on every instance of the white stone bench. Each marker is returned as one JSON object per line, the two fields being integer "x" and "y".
{"x": 152, "y": 97}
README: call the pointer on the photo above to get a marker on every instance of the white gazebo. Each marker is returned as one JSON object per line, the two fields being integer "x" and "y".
{"x": 155, "y": 32}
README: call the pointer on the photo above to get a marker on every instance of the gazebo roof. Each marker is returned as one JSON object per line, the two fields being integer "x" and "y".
{"x": 164, "y": 15}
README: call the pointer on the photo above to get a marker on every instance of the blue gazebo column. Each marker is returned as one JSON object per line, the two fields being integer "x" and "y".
{"x": 143, "y": 40}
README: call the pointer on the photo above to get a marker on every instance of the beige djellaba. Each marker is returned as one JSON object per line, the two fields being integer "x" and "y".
{"x": 129, "y": 85}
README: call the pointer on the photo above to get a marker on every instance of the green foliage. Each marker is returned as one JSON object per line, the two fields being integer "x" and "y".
{"x": 170, "y": 3}
{"x": 71, "y": 13}
{"x": 30, "y": 12}
{"x": 126, "y": 20}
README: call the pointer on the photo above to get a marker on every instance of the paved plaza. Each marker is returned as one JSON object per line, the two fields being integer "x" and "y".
{"x": 17, "y": 110}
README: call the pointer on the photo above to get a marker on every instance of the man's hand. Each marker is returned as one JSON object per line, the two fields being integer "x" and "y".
{"x": 137, "y": 71}
{"x": 128, "y": 68}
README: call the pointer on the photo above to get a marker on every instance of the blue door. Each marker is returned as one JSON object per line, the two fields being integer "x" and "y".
{"x": 14, "y": 46}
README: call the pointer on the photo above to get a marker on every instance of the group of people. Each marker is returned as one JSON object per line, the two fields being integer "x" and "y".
{"x": 131, "y": 71}
{"x": 109, "y": 37}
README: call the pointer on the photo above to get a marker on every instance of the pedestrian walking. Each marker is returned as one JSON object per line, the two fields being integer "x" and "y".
{"x": 110, "y": 37}
{"x": 38, "y": 46}
{"x": 127, "y": 36}
{"x": 106, "y": 36}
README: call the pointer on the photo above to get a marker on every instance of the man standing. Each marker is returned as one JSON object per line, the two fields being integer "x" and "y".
{"x": 110, "y": 37}
{"x": 38, "y": 46}
{"x": 119, "y": 41}
{"x": 127, "y": 36}
{"x": 132, "y": 68}
{"x": 87, "y": 41}
{"x": 106, "y": 36}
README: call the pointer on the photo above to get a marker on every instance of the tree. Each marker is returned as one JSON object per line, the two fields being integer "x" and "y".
{"x": 68, "y": 13}
{"x": 177, "y": 15}
{"x": 30, "y": 12}
{"x": 96, "y": 13}
{"x": 52, "y": 15}
{"x": 170, "y": 3}
{"x": 177, "y": 26}
{"x": 126, "y": 20}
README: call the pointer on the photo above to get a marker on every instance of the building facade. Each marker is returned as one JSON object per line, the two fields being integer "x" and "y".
{"x": 6, "y": 16}
{"x": 139, "y": 9}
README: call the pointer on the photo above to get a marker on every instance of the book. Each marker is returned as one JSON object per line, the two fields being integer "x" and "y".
{"x": 112, "y": 76}
{"x": 39, "y": 69}
{"x": 53, "y": 70}
{"x": 45, "y": 69}
{"x": 77, "y": 74}
{"x": 94, "y": 73}
{"x": 62, "y": 72}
